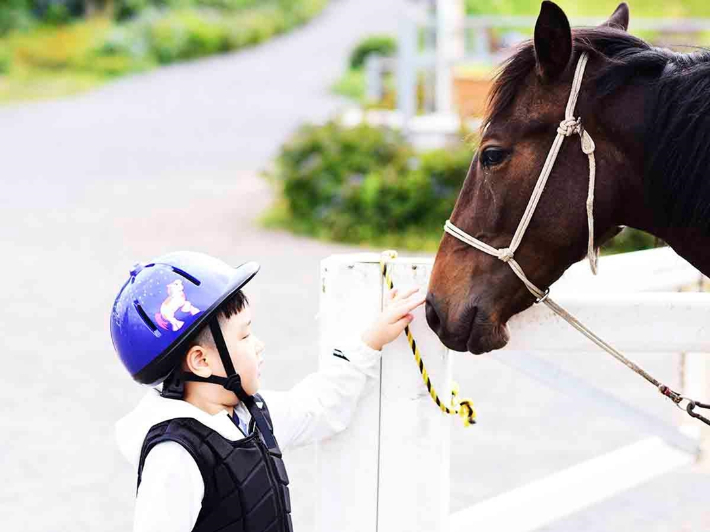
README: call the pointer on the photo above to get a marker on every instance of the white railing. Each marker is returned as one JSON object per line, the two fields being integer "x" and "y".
{"x": 389, "y": 470}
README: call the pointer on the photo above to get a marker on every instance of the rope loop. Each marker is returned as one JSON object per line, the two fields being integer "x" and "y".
{"x": 467, "y": 413}
{"x": 464, "y": 407}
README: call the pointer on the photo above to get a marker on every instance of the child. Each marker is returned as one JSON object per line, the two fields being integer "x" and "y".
{"x": 205, "y": 446}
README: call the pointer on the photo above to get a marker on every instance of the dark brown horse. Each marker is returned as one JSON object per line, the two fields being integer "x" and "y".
{"x": 648, "y": 111}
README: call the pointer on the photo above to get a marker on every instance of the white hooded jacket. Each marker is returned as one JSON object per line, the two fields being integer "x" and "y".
{"x": 171, "y": 490}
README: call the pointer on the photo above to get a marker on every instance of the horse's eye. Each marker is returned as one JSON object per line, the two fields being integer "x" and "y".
{"x": 493, "y": 156}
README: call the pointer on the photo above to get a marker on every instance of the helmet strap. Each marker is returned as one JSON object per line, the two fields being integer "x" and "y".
{"x": 233, "y": 383}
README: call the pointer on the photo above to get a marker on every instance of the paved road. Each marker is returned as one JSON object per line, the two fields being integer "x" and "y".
{"x": 170, "y": 160}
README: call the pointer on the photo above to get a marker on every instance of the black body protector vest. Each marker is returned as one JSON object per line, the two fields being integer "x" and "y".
{"x": 246, "y": 485}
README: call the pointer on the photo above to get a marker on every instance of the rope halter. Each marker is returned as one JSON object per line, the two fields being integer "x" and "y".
{"x": 568, "y": 127}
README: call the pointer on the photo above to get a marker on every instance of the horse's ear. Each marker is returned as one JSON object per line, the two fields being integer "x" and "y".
{"x": 553, "y": 41}
{"x": 619, "y": 18}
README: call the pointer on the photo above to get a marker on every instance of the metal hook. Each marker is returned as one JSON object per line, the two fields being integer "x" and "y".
{"x": 691, "y": 407}
{"x": 544, "y": 296}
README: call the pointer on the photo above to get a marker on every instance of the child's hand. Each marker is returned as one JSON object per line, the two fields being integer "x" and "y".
{"x": 394, "y": 318}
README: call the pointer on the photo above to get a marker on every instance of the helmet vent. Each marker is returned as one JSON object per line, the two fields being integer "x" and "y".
{"x": 187, "y": 276}
{"x": 146, "y": 319}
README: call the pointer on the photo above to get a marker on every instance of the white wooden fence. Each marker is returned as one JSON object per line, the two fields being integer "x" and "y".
{"x": 389, "y": 471}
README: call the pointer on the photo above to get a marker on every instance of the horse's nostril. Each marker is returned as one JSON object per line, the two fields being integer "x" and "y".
{"x": 432, "y": 316}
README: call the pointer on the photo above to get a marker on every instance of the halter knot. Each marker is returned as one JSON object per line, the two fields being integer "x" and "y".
{"x": 570, "y": 126}
{"x": 506, "y": 254}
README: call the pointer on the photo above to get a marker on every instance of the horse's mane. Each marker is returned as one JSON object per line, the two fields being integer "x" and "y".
{"x": 677, "y": 124}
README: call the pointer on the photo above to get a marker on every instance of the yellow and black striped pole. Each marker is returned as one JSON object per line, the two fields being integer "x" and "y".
{"x": 464, "y": 407}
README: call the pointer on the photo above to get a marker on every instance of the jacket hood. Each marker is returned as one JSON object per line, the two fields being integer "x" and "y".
{"x": 132, "y": 429}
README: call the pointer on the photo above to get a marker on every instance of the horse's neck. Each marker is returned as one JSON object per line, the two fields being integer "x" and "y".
{"x": 633, "y": 208}
{"x": 692, "y": 245}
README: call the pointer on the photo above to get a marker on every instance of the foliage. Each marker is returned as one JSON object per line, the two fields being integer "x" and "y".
{"x": 351, "y": 85}
{"x": 57, "y": 48}
{"x": 360, "y": 184}
{"x": 384, "y": 45}
{"x": 84, "y": 53}
{"x": 630, "y": 240}
{"x": 186, "y": 35}
{"x": 5, "y": 60}
{"x": 14, "y": 14}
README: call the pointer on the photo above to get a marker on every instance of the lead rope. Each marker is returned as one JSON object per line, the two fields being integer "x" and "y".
{"x": 568, "y": 127}
{"x": 463, "y": 407}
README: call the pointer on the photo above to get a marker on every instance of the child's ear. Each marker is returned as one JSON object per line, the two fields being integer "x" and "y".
{"x": 196, "y": 361}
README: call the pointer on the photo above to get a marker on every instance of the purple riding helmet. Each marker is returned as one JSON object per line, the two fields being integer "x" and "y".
{"x": 164, "y": 303}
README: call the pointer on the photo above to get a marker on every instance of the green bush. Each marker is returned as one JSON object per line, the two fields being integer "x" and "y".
{"x": 364, "y": 183}
{"x": 375, "y": 44}
{"x": 14, "y": 14}
{"x": 187, "y": 35}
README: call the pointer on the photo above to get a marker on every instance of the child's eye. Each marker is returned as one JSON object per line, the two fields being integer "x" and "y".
{"x": 247, "y": 336}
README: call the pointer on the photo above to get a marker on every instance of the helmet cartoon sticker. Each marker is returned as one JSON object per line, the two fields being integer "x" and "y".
{"x": 176, "y": 301}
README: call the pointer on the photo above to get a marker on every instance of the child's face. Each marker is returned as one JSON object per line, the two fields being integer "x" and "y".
{"x": 245, "y": 349}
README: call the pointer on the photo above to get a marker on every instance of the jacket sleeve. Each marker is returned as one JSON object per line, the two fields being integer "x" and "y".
{"x": 323, "y": 403}
{"x": 171, "y": 491}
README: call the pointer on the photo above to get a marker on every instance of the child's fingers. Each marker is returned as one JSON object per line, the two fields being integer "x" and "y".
{"x": 412, "y": 302}
{"x": 396, "y": 312}
{"x": 404, "y": 295}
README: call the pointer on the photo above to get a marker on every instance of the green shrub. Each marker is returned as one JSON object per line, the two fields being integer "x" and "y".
{"x": 187, "y": 35}
{"x": 14, "y": 14}
{"x": 255, "y": 27}
{"x": 127, "y": 40}
{"x": 365, "y": 183}
{"x": 375, "y": 44}
{"x": 61, "y": 47}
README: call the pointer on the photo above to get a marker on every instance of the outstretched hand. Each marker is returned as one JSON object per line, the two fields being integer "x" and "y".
{"x": 394, "y": 318}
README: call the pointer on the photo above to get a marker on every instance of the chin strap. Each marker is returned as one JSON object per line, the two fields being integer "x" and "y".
{"x": 233, "y": 383}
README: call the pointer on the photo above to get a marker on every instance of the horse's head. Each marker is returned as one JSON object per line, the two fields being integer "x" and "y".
{"x": 473, "y": 294}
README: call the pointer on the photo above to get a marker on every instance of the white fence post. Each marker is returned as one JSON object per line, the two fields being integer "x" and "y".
{"x": 389, "y": 470}
{"x": 347, "y": 463}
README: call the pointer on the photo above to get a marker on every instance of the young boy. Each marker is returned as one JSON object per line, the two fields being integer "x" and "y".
{"x": 205, "y": 445}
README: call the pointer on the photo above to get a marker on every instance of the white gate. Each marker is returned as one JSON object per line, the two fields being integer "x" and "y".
{"x": 389, "y": 471}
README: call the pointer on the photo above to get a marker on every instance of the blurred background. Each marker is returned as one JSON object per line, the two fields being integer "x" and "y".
{"x": 280, "y": 131}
